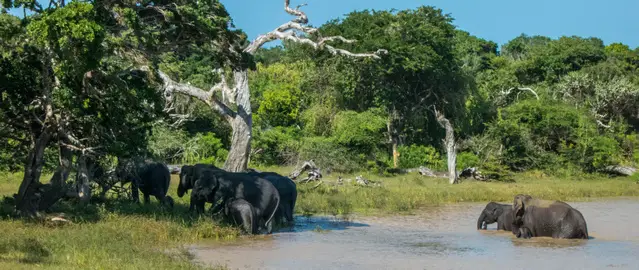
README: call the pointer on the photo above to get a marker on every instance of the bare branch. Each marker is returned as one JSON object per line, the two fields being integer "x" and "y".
{"x": 288, "y": 31}
{"x": 171, "y": 86}
{"x": 509, "y": 91}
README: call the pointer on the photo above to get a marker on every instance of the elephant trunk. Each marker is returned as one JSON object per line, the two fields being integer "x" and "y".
{"x": 480, "y": 221}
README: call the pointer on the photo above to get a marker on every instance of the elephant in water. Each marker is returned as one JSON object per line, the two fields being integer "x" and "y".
{"x": 260, "y": 193}
{"x": 150, "y": 177}
{"x": 242, "y": 213}
{"x": 287, "y": 190}
{"x": 496, "y": 212}
{"x": 535, "y": 217}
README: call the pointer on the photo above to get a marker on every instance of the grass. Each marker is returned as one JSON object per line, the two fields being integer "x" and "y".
{"x": 117, "y": 234}
{"x": 403, "y": 194}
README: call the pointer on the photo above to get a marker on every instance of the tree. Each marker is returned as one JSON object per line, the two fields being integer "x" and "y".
{"x": 238, "y": 94}
{"x": 63, "y": 87}
{"x": 420, "y": 70}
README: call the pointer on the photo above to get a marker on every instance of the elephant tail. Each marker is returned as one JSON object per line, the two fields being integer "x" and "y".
{"x": 277, "y": 205}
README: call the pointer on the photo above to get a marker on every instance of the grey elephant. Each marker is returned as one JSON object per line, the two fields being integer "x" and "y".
{"x": 241, "y": 212}
{"x": 496, "y": 212}
{"x": 260, "y": 193}
{"x": 534, "y": 217}
{"x": 150, "y": 177}
{"x": 287, "y": 190}
{"x": 188, "y": 175}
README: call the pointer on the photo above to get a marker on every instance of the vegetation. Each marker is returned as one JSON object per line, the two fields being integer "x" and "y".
{"x": 111, "y": 234}
{"x": 85, "y": 83}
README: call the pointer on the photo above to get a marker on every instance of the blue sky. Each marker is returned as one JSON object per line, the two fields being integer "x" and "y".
{"x": 497, "y": 20}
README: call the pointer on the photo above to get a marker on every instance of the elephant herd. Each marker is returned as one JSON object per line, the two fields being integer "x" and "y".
{"x": 252, "y": 199}
{"x": 530, "y": 217}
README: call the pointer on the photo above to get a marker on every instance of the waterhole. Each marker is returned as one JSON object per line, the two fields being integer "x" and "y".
{"x": 443, "y": 237}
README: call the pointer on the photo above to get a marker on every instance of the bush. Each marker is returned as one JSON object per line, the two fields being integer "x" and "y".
{"x": 329, "y": 155}
{"x": 594, "y": 154}
{"x": 275, "y": 146}
{"x": 175, "y": 146}
{"x": 362, "y": 132}
{"x": 466, "y": 160}
{"x": 414, "y": 156}
{"x": 533, "y": 132}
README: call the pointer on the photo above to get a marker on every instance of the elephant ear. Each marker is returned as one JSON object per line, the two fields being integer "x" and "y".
{"x": 497, "y": 211}
{"x": 518, "y": 206}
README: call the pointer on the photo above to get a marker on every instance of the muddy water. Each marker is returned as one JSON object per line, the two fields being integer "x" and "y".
{"x": 436, "y": 238}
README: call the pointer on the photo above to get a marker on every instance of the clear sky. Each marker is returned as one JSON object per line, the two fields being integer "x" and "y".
{"x": 496, "y": 20}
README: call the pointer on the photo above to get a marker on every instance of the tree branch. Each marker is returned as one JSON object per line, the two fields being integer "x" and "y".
{"x": 509, "y": 91}
{"x": 171, "y": 86}
{"x": 288, "y": 31}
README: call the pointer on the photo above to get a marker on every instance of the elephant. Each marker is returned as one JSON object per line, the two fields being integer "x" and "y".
{"x": 260, "y": 193}
{"x": 150, "y": 177}
{"x": 188, "y": 175}
{"x": 242, "y": 213}
{"x": 496, "y": 212}
{"x": 287, "y": 190}
{"x": 535, "y": 217}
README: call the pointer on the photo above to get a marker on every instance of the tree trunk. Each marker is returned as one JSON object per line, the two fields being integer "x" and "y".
{"x": 82, "y": 180}
{"x": 392, "y": 138}
{"x": 451, "y": 152}
{"x": 27, "y": 200}
{"x": 451, "y": 149}
{"x": 242, "y": 124}
{"x": 57, "y": 185}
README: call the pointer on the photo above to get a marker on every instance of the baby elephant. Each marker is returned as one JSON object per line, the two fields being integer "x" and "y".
{"x": 242, "y": 212}
{"x": 496, "y": 212}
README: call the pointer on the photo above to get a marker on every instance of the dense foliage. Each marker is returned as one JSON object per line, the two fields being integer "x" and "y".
{"x": 532, "y": 103}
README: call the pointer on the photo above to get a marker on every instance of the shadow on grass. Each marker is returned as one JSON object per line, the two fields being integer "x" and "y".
{"x": 27, "y": 251}
{"x": 98, "y": 208}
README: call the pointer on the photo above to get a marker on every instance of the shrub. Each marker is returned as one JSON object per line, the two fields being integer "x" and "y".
{"x": 275, "y": 146}
{"x": 466, "y": 160}
{"x": 329, "y": 155}
{"x": 175, "y": 146}
{"x": 362, "y": 132}
{"x": 414, "y": 156}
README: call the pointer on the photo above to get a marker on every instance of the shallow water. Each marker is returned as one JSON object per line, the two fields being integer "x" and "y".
{"x": 437, "y": 238}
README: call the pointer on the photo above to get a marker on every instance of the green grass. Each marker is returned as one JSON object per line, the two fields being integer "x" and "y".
{"x": 115, "y": 234}
{"x": 403, "y": 194}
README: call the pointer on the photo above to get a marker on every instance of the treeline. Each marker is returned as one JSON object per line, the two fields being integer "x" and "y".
{"x": 562, "y": 105}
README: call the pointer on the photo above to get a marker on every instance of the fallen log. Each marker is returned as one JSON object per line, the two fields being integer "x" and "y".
{"x": 620, "y": 170}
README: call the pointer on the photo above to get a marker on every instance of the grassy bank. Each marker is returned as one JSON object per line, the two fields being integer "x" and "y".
{"x": 405, "y": 193}
{"x": 115, "y": 234}
{"x": 118, "y": 234}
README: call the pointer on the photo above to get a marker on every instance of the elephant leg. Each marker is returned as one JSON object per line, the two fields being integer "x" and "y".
{"x": 147, "y": 198}
{"x": 135, "y": 191}
{"x": 524, "y": 233}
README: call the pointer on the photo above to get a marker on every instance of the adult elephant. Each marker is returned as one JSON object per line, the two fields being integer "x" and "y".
{"x": 496, "y": 212}
{"x": 188, "y": 175}
{"x": 260, "y": 193}
{"x": 534, "y": 217}
{"x": 287, "y": 190}
{"x": 151, "y": 177}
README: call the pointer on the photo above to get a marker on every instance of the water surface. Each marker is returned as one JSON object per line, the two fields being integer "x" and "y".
{"x": 443, "y": 237}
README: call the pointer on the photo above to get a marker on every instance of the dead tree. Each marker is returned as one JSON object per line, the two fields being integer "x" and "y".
{"x": 451, "y": 146}
{"x": 238, "y": 93}
{"x": 313, "y": 172}
{"x": 620, "y": 170}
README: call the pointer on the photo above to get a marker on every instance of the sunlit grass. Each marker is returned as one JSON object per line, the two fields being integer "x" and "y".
{"x": 115, "y": 234}
{"x": 402, "y": 194}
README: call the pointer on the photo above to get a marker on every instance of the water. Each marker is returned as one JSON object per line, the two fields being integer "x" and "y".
{"x": 437, "y": 238}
